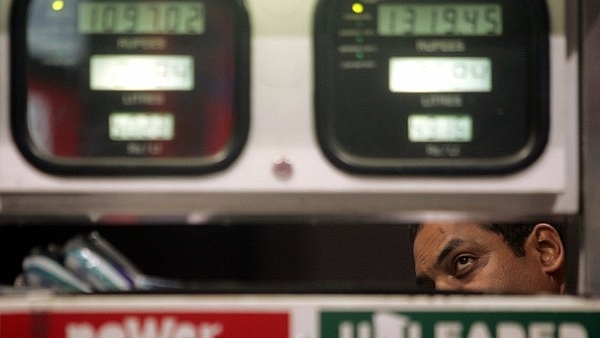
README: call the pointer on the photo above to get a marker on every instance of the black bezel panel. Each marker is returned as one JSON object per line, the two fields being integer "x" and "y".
{"x": 362, "y": 125}
{"x": 219, "y": 108}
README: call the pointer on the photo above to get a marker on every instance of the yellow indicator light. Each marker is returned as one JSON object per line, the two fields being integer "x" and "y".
{"x": 358, "y": 8}
{"x": 58, "y": 5}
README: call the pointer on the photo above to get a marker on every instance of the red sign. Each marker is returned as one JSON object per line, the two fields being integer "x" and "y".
{"x": 145, "y": 325}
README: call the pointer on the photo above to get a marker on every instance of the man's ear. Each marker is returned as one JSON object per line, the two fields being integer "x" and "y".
{"x": 549, "y": 248}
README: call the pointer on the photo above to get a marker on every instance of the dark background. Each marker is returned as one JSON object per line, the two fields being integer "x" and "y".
{"x": 293, "y": 256}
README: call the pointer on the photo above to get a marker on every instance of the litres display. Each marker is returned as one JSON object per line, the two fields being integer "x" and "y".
{"x": 130, "y": 87}
{"x": 432, "y": 87}
{"x": 440, "y": 74}
{"x": 142, "y": 72}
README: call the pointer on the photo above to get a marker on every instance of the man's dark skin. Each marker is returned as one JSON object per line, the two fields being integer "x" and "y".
{"x": 468, "y": 257}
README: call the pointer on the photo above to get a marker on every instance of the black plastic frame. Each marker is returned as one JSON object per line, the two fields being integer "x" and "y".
{"x": 539, "y": 107}
{"x": 115, "y": 166}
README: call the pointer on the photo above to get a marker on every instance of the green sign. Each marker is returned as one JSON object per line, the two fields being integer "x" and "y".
{"x": 460, "y": 324}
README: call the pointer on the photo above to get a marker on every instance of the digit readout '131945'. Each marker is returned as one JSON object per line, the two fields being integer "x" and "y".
{"x": 440, "y": 20}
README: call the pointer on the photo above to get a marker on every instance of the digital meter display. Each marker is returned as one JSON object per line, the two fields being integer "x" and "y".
{"x": 142, "y": 72}
{"x": 440, "y": 128}
{"x": 438, "y": 74}
{"x": 130, "y": 87}
{"x": 138, "y": 17}
{"x": 445, "y": 19}
{"x": 433, "y": 87}
{"x": 135, "y": 126}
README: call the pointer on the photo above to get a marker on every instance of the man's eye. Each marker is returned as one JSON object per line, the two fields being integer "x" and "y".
{"x": 463, "y": 264}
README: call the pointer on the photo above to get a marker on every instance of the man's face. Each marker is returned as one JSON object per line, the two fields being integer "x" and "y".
{"x": 467, "y": 257}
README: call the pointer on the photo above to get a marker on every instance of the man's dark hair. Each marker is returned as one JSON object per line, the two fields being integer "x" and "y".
{"x": 514, "y": 234}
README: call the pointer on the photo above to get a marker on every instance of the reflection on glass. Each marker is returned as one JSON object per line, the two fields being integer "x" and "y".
{"x": 51, "y": 33}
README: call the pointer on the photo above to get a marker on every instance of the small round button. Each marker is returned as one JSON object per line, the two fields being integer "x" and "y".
{"x": 283, "y": 169}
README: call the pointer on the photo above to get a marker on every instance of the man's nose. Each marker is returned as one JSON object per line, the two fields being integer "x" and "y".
{"x": 447, "y": 284}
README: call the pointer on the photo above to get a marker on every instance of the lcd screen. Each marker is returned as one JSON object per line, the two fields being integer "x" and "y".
{"x": 132, "y": 17}
{"x": 440, "y": 74}
{"x": 440, "y": 19}
{"x": 131, "y": 126}
{"x": 141, "y": 72}
{"x": 440, "y": 128}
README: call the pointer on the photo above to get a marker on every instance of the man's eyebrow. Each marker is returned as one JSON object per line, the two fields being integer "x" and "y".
{"x": 453, "y": 244}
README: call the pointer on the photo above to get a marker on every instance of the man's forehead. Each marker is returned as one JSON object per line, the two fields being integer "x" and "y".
{"x": 435, "y": 241}
{"x": 449, "y": 229}
{"x": 429, "y": 242}
{"x": 432, "y": 233}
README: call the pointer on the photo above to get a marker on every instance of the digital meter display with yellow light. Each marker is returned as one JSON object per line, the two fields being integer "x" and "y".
{"x": 125, "y": 87}
{"x": 433, "y": 87}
